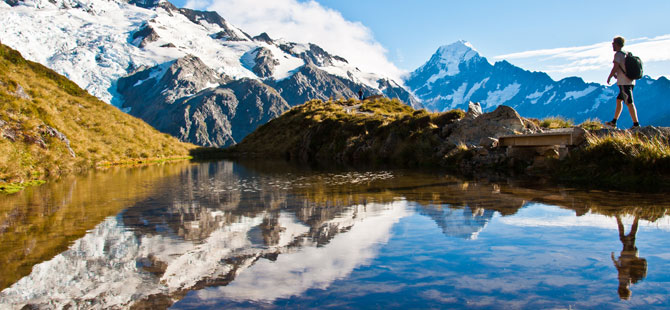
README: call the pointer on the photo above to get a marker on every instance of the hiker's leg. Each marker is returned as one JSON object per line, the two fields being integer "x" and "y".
{"x": 617, "y": 112}
{"x": 619, "y": 98}
{"x": 628, "y": 94}
{"x": 633, "y": 112}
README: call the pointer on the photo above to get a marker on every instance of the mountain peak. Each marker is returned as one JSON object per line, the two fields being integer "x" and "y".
{"x": 459, "y": 51}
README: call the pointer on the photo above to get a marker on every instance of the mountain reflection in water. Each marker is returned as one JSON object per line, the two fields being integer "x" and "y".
{"x": 223, "y": 234}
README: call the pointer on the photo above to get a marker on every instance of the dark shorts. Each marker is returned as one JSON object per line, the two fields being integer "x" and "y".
{"x": 626, "y": 93}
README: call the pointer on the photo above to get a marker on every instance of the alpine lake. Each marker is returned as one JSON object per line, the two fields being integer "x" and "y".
{"x": 223, "y": 234}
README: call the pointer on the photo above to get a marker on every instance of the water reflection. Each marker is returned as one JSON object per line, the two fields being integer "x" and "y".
{"x": 221, "y": 234}
{"x": 462, "y": 223}
{"x": 630, "y": 267}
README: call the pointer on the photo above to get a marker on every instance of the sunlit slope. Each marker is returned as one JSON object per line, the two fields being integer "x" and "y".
{"x": 50, "y": 126}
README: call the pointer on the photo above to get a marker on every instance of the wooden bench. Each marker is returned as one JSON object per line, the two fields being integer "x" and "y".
{"x": 558, "y": 139}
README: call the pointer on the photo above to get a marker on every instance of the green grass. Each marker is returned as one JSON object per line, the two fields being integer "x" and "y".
{"x": 98, "y": 132}
{"x": 11, "y": 188}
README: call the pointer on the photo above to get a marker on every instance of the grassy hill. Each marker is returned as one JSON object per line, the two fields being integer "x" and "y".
{"x": 49, "y": 126}
{"x": 382, "y": 131}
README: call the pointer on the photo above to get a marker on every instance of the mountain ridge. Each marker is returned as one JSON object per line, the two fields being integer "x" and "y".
{"x": 102, "y": 45}
{"x": 532, "y": 93}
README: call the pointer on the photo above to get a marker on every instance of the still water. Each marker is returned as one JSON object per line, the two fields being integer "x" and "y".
{"x": 222, "y": 235}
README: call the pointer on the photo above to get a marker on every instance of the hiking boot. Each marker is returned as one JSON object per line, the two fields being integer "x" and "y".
{"x": 635, "y": 126}
{"x": 610, "y": 124}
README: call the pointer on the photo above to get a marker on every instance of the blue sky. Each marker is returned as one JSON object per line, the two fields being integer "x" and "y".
{"x": 407, "y": 33}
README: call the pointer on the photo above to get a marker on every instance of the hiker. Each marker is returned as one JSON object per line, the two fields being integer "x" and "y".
{"x": 360, "y": 94}
{"x": 625, "y": 84}
{"x": 630, "y": 267}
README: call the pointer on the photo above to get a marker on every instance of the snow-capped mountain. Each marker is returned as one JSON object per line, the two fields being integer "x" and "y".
{"x": 457, "y": 74}
{"x": 179, "y": 69}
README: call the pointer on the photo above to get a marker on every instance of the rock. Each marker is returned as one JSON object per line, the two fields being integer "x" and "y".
{"x": 263, "y": 37}
{"x": 145, "y": 36}
{"x": 9, "y": 134}
{"x": 229, "y": 32}
{"x": 488, "y": 142}
{"x": 20, "y": 93}
{"x": 503, "y": 120}
{"x": 61, "y": 136}
{"x": 265, "y": 62}
{"x": 474, "y": 110}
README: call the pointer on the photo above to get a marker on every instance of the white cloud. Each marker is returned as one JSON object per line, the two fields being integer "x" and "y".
{"x": 592, "y": 62}
{"x": 196, "y": 4}
{"x": 305, "y": 22}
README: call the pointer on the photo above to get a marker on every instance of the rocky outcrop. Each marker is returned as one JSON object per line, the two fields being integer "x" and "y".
{"x": 264, "y": 62}
{"x": 312, "y": 55}
{"x": 228, "y": 32}
{"x": 144, "y": 36}
{"x": 12, "y": 2}
{"x": 164, "y": 84}
{"x": 263, "y": 37}
{"x": 502, "y": 121}
{"x": 147, "y": 4}
{"x": 53, "y": 132}
{"x": 311, "y": 82}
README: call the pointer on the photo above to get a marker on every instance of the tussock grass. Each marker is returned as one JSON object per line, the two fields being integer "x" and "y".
{"x": 555, "y": 122}
{"x": 621, "y": 160}
{"x": 592, "y": 124}
{"x": 97, "y": 132}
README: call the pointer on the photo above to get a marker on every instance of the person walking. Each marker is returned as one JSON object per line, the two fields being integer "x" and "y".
{"x": 360, "y": 94}
{"x": 625, "y": 84}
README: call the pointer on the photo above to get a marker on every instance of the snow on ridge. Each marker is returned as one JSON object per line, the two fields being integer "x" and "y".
{"x": 90, "y": 42}
{"x": 498, "y": 97}
{"x": 578, "y": 94}
{"x": 534, "y": 97}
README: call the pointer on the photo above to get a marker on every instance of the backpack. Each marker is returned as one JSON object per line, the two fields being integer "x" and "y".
{"x": 633, "y": 68}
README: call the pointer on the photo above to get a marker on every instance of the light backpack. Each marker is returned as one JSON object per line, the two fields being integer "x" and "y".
{"x": 633, "y": 66}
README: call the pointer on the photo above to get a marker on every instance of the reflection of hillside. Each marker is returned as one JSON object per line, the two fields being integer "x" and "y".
{"x": 41, "y": 222}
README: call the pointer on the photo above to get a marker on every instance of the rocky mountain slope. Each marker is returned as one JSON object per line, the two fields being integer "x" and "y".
{"x": 457, "y": 74}
{"x": 179, "y": 69}
{"x": 48, "y": 125}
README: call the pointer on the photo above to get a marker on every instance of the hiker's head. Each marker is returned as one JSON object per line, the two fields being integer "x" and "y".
{"x": 618, "y": 42}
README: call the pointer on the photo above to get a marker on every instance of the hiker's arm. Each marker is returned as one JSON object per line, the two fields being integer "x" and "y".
{"x": 612, "y": 73}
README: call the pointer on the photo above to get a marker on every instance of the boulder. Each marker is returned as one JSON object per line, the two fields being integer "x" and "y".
{"x": 474, "y": 110}
{"x": 503, "y": 121}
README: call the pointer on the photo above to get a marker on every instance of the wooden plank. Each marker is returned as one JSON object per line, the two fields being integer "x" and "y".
{"x": 569, "y": 136}
{"x": 544, "y": 140}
